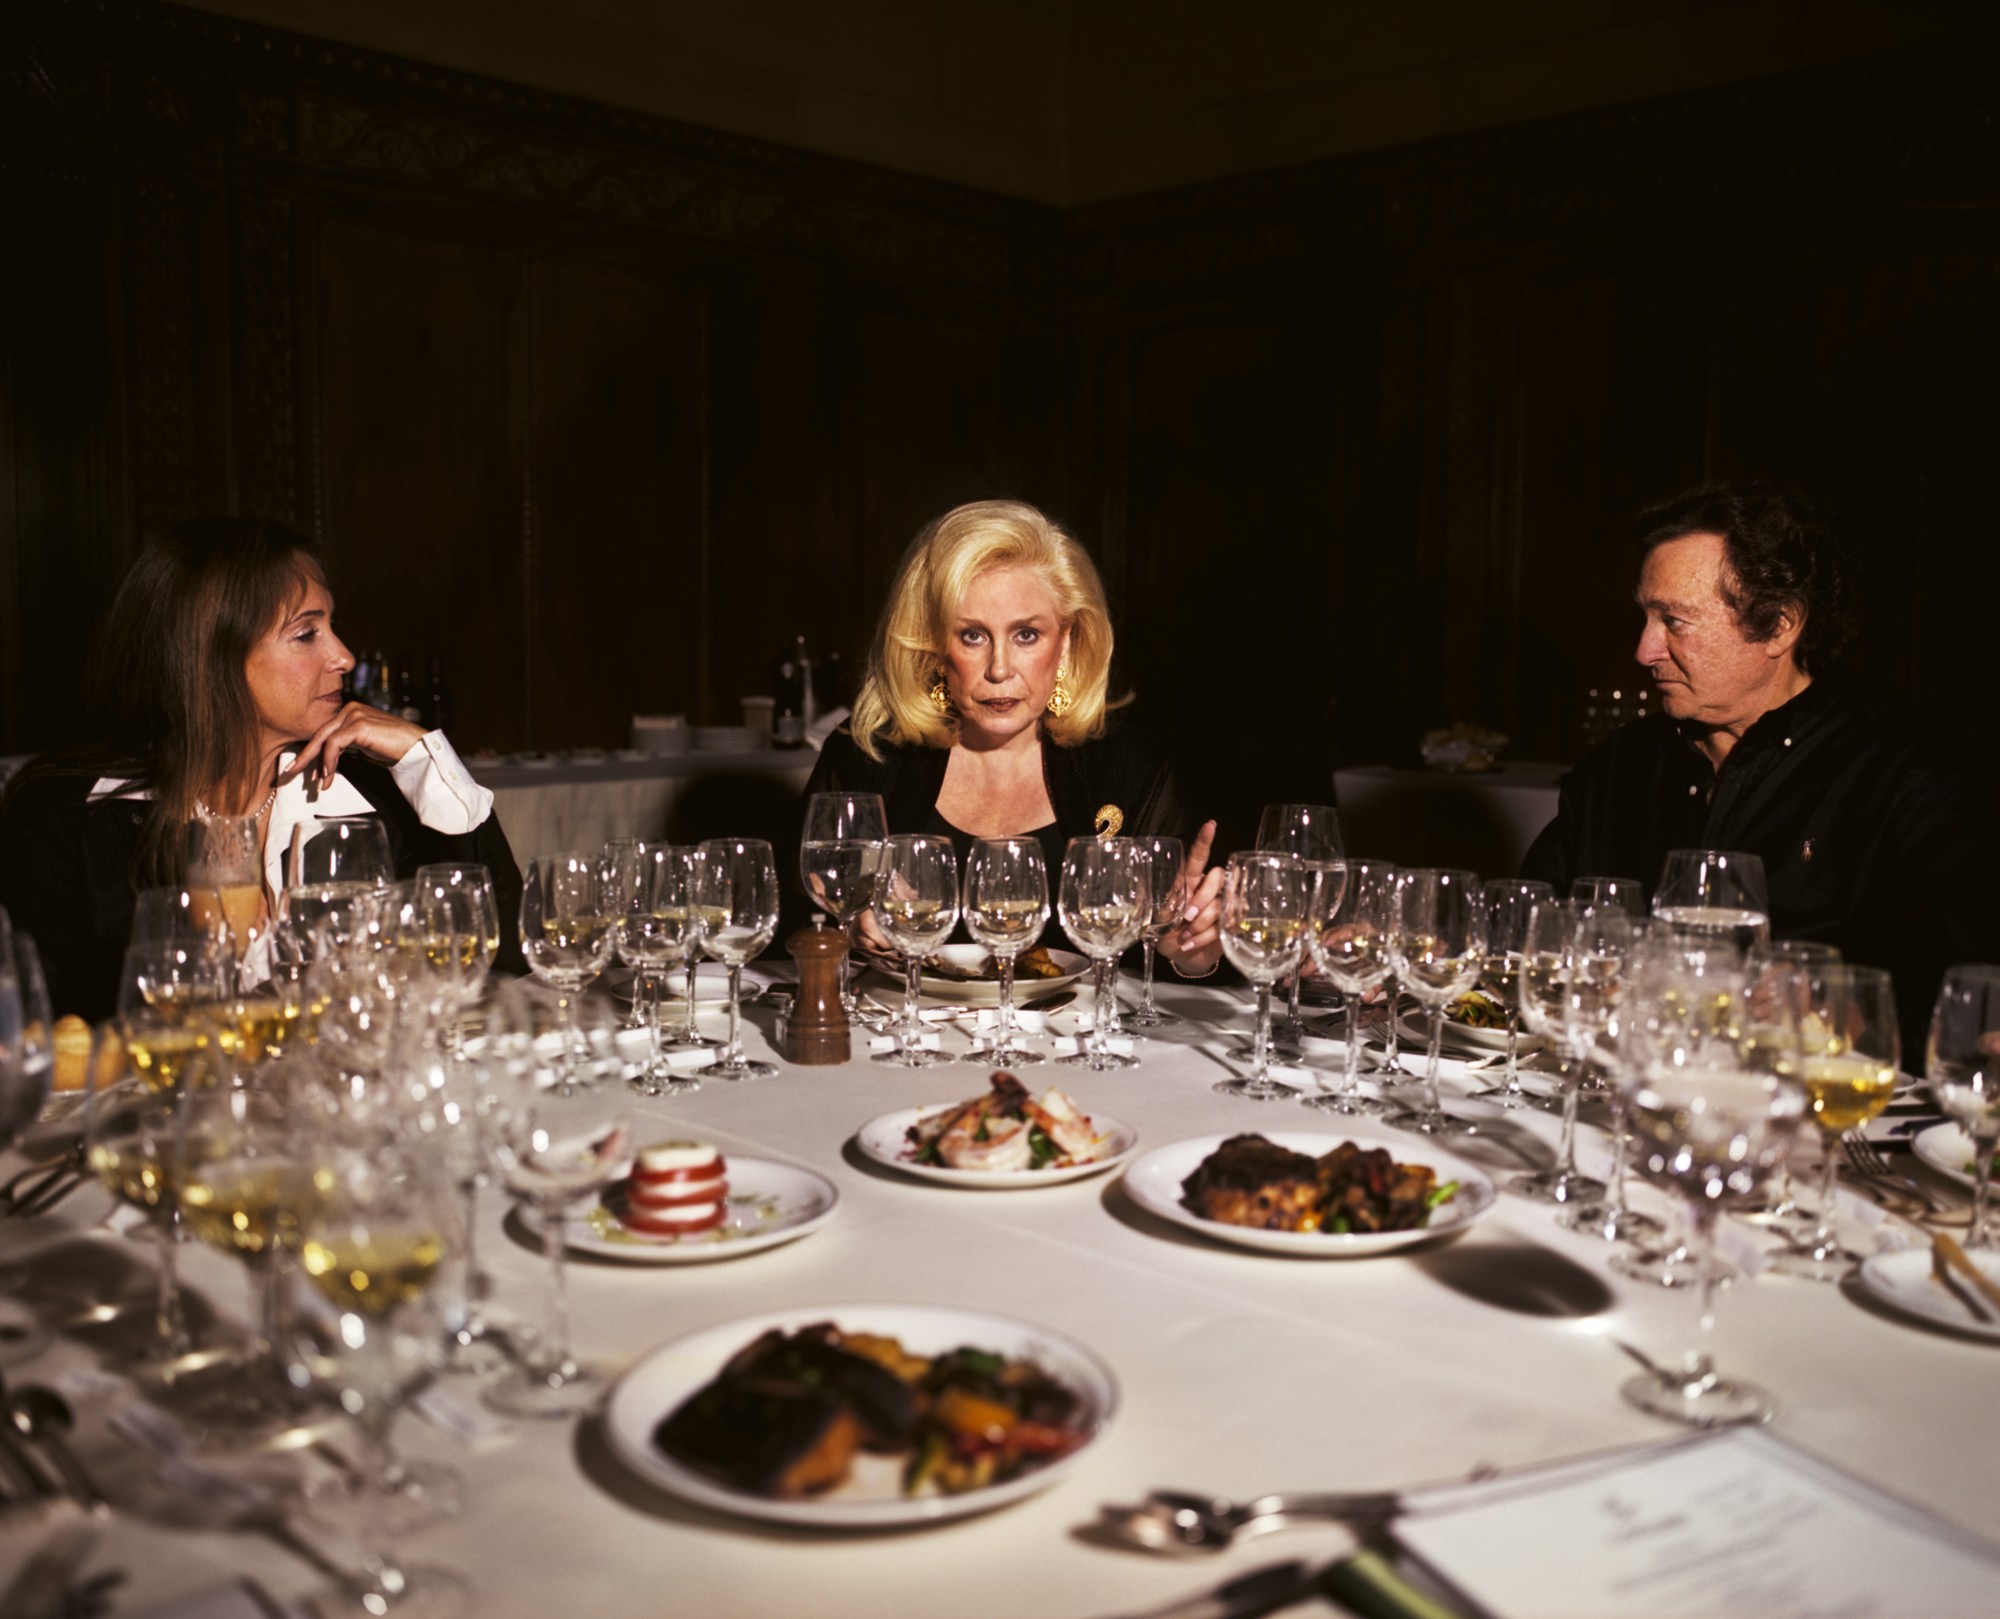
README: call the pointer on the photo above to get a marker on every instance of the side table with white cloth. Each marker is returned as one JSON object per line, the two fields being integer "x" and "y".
{"x": 1478, "y": 821}
{"x": 1497, "y": 1349}
{"x": 556, "y": 805}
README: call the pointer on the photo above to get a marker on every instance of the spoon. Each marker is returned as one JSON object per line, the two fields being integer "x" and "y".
{"x": 42, "y": 1416}
{"x": 1172, "y": 1521}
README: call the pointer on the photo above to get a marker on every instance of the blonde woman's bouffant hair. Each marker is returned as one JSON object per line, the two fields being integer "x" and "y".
{"x": 936, "y": 572}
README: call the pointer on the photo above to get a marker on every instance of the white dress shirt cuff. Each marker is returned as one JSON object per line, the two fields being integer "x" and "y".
{"x": 435, "y": 781}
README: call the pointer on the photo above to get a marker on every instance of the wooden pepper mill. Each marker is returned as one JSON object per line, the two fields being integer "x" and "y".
{"x": 817, "y": 1031}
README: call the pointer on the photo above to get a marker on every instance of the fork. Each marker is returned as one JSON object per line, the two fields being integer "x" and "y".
{"x": 1173, "y": 1521}
{"x": 1870, "y": 1165}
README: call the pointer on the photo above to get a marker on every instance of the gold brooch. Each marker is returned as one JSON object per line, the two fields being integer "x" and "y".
{"x": 1109, "y": 819}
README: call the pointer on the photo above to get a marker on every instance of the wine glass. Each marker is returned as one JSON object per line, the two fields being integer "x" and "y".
{"x": 27, "y": 1034}
{"x": 840, "y": 858}
{"x": 1312, "y": 832}
{"x": 460, "y": 896}
{"x": 1714, "y": 893}
{"x": 1006, "y": 907}
{"x": 1625, "y": 894}
{"x": 1351, "y": 921}
{"x": 373, "y": 1244}
{"x": 1962, "y": 1063}
{"x": 1781, "y": 1209}
{"x": 566, "y": 937}
{"x": 1509, "y": 900}
{"x": 916, "y": 904}
{"x": 615, "y": 858}
{"x": 737, "y": 888}
{"x": 1168, "y": 859}
{"x": 659, "y": 928}
{"x": 554, "y": 1146}
{"x": 1571, "y": 957}
{"x": 1266, "y": 902}
{"x": 686, "y": 1035}
{"x": 1708, "y": 1122}
{"x": 224, "y": 868}
{"x": 1849, "y": 1050}
{"x": 162, "y": 991}
{"x": 1439, "y": 948}
{"x": 244, "y": 1183}
{"x": 346, "y": 849}
{"x": 1104, "y": 898}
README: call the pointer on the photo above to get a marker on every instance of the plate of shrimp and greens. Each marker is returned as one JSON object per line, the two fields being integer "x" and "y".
{"x": 1003, "y": 1140}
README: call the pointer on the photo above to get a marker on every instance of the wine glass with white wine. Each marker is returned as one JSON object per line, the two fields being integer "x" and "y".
{"x": 1266, "y": 905}
{"x": 737, "y": 889}
{"x": 1104, "y": 897}
{"x": 916, "y": 906}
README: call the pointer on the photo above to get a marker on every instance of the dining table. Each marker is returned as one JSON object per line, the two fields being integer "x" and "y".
{"x": 1488, "y": 1352}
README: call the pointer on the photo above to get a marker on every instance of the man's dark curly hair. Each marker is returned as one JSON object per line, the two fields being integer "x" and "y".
{"x": 1782, "y": 552}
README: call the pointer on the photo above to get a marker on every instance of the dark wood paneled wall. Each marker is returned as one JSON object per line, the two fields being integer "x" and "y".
{"x": 602, "y": 408}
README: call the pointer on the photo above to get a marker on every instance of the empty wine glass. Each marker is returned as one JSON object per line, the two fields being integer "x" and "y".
{"x": 373, "y": 1245}
{"x": 1266, "y": 903}
{"x": 659, "y": 929}
{"x": 1352, "y": 918}
{"x": 1707, "y": 1126}
{"x": 1850, "y": 1049}
{"x": 553, "y": 1147}
{"x": 346, "y": 849}
{"x": 617, "y": 871}
{"x": 916, "y": 904}
{"x": 1962, "y": 1063}
{"x": 566, "y": 936}
{"x": 1438, "y": 947}
{"x": 1571, "y": 959}
{"x": 840, "y": 858}
{"x": 1167, "y": 858}
{"x": 1006, "y": 908}
{"x": 1312, "y": 832}
{"x": 1104, "y": 898}
{"x": 1714, "y": 893}
{"x": 1625, "y": 894}
{"x": 27, "y": 1034}
{"x": 1509, "y": 900}
{"x": 736, "y": 886}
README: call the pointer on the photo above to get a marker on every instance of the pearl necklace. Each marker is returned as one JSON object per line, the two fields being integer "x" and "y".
{"x": 203, "y": 813}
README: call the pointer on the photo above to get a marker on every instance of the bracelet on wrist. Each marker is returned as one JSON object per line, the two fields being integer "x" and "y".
{"x": 1193, "y": 978}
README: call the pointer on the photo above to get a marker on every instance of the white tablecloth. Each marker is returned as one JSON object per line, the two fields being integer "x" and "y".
{"x": 1241, "y": 1372}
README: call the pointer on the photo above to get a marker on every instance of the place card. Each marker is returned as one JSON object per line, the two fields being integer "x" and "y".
{"x": 1730, "y": 1523}
{"x": 888, "y": 1042}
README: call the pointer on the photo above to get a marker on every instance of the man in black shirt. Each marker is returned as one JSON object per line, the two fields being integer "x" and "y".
{"x": 1871, "y": 840}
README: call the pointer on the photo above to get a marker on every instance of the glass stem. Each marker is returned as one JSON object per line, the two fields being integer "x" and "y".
{"x": 1352, "y": 1083}
{"x": 1431, "y": 1057}
{"x": 170, "y": 1320}
{"x": 1146, "y": 1008}
{"x": 1698, "y": 1370}
{"x": 692, "y": 1032}
{"x": 1392, "y": 1063}
{"x": 1260, "y": 1043}
{"x": 1618, "y": 1154}
{"x": 1980, "y": 1234}
{"x": 1566, "y": 1151}
{"x": 1292, "y": 1024}
{"x": 474, "y": 1322}
{"x": 270, "y": 1273}
{"x": 1824, "y": 1243}
{"x": 910, "y": 1037}
{"x": 555, "y": 1357}
{"x": 655, "y": 1016}
{"x": 733, "y": 1052}
{"x": 1003, "y": 1029}
{"x": 1513, "y": 1085}
{"x": 1101, "y": 1014}
{"x": 851, "y": 927}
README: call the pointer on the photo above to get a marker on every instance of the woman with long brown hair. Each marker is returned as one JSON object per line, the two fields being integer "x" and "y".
{"x": 216, "y": 690}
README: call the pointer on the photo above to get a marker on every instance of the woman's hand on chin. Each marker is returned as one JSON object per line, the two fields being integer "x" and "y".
{"x": 368, "y": 731}
{"x": 1194, "y": 944}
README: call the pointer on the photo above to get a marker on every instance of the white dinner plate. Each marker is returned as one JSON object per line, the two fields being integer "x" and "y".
{"x": 711, "y": 984}
{"x": 769, "y": 1203}
{"x": 1154, "y": 1180}
{"x": 1947, "y": 1149}
{"x": 1414, "y": 1028}
{"x": 886, "y": 1140}
{"x": 655, "y": 1386}
{"x": 986, "y": 991}
{"x": 1904, "y": 1282}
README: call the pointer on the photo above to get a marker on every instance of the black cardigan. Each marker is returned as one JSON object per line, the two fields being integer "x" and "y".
{"x": 66, "y": 873}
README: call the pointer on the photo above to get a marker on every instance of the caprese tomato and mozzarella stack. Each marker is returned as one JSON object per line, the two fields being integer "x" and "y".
{"x": 676, "y": 1188}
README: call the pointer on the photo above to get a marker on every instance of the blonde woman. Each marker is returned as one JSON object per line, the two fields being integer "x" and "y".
{"x": 985, "y": 711}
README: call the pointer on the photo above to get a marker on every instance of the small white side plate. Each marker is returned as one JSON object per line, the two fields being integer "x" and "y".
{"x": 769, "y": 1203}
{"x": 1904, "y": 1282}
{"x": 1947, "y": 1149}
{"x": 886, "y": 1141}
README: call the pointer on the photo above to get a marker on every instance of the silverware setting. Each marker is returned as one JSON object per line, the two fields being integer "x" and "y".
{"x": 1868, "y": 1166}
{"x": 1176, "y": 1521}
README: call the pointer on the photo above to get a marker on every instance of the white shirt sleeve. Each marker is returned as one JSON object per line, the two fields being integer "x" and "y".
{"x": 440, "y": 789}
